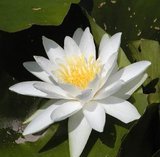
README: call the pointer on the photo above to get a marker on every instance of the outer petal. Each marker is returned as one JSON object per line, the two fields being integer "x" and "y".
{"x": 87, "y": 44}
{"x": 131, "y": 71}
{"x": 129, "y": 88}
{"x": 40, "y": 110}
{"x": 70, "y": 47}
{"x": 109, "y": 89}
{"x": 109, "y": 46}
{"x": 42, "y": 121}
{"x": 95, "y": 116}
{"x": 46, "y": 65}
{"x": 51, "y": 89}
{"x": 27, "y": 88}
{"x": 120, "y": 109}
{"x": 53, "y": 50}
{"x": 36, "y": 70}
{"x": 79, "y": 132}
{"x": 66, "y": 110}
{"x": 77, "y": 35}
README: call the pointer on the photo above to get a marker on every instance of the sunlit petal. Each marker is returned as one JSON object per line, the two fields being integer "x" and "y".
{"x": 120, "y": 109}
{"x": 95, "y": 116}
{"x": 79, "y": 132}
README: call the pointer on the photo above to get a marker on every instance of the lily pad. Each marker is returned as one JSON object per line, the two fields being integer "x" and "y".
{"x": 21, "y": 14}
{"x": 135, "y": 19}
{"x": 149, "y": 50}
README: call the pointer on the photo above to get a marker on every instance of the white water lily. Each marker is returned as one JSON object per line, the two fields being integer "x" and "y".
{"x": 88, "y": 86}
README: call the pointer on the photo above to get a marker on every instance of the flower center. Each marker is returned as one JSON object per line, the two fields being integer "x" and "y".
{"x": 78, "y": 71}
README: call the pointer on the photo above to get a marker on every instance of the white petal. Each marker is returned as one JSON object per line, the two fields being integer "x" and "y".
{"x": 79, "y": 132}
{"x": 94, "y": 85}
{"x": 27, "y": 88}
{"x": 36, "y": 70}
{"x": 109, "y": 89}
{"x": 77, "y": 35}
{"x": 85, "y": 95}
{"x": 120, "y": 109}
{"x": 51, "y": 89}
{"x": 53, "y": 50}
{"x": 46, "y": 65}
{"x": 73, "y": 90}
{"x": 108, "y": 69}
{"x": 70, "y": 47}
{"x": 109, "y": 47}
{"x": 42, "y": 120}
{"x": 87, "y": 45}
{"x": 129, "y": 88}
{"x": 40, "y": 110}
{"x": 104, "y": 40}
{"x": 95, "y": 116}
{"x": 66, "y": 110}
{"x": 131, "y": 71}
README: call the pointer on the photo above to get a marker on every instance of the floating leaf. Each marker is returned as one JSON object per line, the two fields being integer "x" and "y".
{"x": 21, "y": 14}
{"x": 149, "y": 50}
{"x": 135, "y": 19}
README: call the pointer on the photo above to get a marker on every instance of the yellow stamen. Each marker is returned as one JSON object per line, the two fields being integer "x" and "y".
{"x": 78, "y": 71}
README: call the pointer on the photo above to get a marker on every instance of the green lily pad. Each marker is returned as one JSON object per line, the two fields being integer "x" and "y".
{"x": 149, "y": 50}
{"x": 136, "y": 19}
{"x": 21, "y": 14}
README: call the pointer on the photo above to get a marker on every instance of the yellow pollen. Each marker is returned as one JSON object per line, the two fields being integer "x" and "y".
{"x": 78, "y": 71}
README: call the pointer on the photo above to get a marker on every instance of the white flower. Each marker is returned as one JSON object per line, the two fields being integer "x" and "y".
{"x": 88, "y": 87}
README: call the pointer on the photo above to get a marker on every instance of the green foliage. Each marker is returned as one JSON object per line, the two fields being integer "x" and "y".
{"x": 149, "y": 50}
{"x": 135, "y": 19}
{"x": 21, "y": 14}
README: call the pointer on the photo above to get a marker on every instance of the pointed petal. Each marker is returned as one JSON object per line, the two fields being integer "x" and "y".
{"x": 109, "y": 47}
{"x": 95, "y": 116}
{"x": 131, "y": 71}
{"x": 66, "y": 110}
{"x": 79, "y": 132}
{"x": 53, "y": 50}
{"x": 129, "y": 88}
{"x": 42, "y": 120}
{"x": 27, "y": 88}
{"x": 108, "y": 69}
{"x": 109, "y": 90}
{"x": 87, "y": 45}
{"x": 51, "y": 89}
{"x": 70, "y": 47}
{"x": 104, "y": 40}
{"x": 36, "y": 70}
{"x": 77, "y": 35}
{"x": 120, "y": 109}
{"x": 46, "y": 65}
{"x": 40, "y": 110}
{"x": 109, "y": 66}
